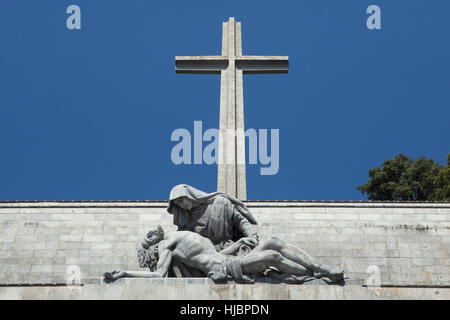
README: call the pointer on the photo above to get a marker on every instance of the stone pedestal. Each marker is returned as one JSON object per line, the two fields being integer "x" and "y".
{"x": 205, "y": 289}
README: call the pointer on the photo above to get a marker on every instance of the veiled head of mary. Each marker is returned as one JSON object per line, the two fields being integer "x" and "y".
{"x": 184, "y": 197}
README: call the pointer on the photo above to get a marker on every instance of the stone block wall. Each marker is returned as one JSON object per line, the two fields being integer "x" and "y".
{"x": 409, "y": 242}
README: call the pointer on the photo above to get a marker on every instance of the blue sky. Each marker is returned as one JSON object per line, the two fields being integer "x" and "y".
{"x": 87, "y": 114}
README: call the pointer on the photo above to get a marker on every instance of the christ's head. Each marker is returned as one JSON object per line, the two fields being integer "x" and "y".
{"x": 153, "y": 236}
{"x": 148, "y": 250}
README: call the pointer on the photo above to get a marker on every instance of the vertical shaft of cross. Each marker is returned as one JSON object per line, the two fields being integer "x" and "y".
{"x": 231, "y": 66}
{"x": 231, "y": 167}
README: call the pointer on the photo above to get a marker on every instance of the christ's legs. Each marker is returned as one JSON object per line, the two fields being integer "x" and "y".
{"x": 260, "y": 261}
{"x": 298, "y": 256}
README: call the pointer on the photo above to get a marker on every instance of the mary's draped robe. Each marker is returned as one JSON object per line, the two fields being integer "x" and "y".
{"x": 217, "y": 216}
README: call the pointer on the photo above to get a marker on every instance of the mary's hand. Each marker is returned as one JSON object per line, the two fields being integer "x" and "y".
{"x": 249, "y": 241}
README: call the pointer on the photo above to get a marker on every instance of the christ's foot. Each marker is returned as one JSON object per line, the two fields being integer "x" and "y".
{"x": 113, "y": 276}
{"x": 332, "y": 273}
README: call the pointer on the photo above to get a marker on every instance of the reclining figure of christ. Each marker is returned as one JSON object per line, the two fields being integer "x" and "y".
{"x": 290, "y": 263}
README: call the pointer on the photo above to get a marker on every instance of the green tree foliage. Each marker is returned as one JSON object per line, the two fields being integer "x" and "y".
{"x": 442, "y": 182}
{"x": 404, "y": 178}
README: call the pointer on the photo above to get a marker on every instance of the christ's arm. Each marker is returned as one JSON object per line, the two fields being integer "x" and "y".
{"x": 232, "y": 249}
{"x": 164, "y": 261}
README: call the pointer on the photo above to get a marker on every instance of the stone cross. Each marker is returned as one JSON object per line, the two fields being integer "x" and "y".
{"x": 231, "y": 65}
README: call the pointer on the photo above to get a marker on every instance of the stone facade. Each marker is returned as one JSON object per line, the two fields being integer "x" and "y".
{"x": 409, "y": 242}
{"x": 205, "y": 289}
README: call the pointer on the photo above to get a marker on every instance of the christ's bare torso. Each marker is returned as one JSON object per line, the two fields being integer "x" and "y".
{"x": 193, "y": 250}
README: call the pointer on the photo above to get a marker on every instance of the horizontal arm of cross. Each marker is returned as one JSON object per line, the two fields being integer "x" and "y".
{"x": 215, "y": 64}
{"x": 200, "y": 64}
{"x": 263, "y": 64}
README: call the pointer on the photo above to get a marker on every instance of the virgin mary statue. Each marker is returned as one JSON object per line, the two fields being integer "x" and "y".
{"x": 217, "y": 216}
